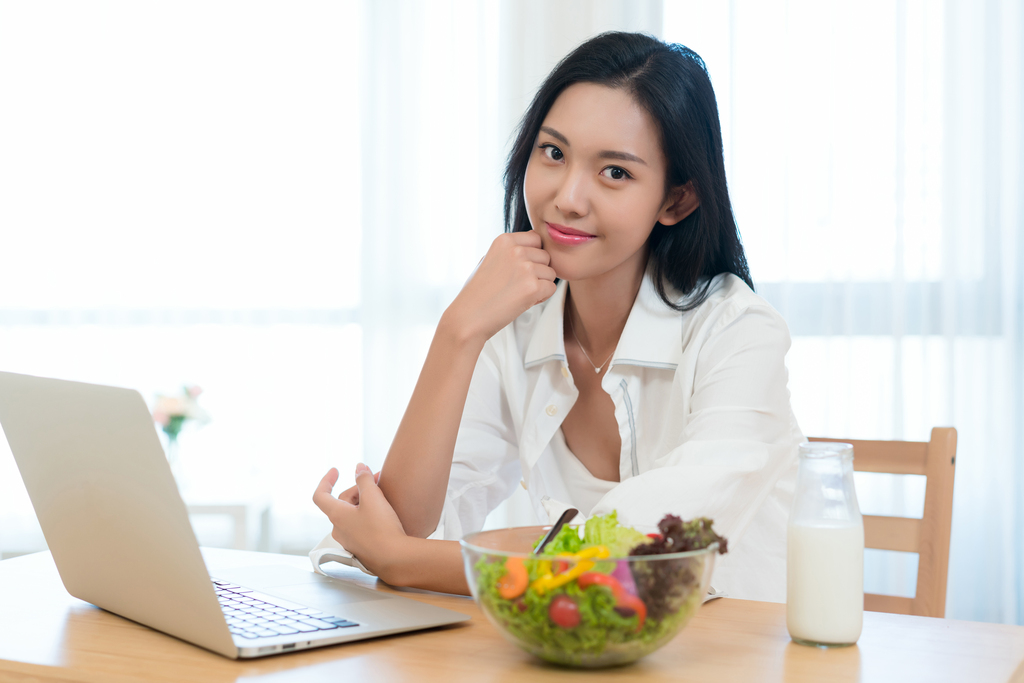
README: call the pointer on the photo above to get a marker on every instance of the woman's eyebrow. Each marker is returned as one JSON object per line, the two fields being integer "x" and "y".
{"x": 622, "y": 156}
{"x": 555, "y": 134}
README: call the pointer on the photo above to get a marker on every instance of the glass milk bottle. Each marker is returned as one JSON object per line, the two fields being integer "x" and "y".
{"x": 825, "y": 549}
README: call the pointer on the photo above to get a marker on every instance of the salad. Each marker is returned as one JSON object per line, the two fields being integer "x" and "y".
{"x": 581, "y": 599}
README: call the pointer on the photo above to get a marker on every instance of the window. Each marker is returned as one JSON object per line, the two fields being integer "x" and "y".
{"x": 180, "y": 201}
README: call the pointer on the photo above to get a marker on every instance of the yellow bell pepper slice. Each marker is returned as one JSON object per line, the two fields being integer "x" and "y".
{"x": 583, "y": 564}
{"x": 598, "y": 551}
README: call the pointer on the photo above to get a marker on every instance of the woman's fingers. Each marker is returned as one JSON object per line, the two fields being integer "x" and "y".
{"x": 528, "y": 238}
{"x": 544, "y": 272}
{"x": 544, "y": 291}
{"x": 351, "y": 494}
{"x": 366, "y": 483}
{"x": 322, "y": 497}
{"x": 535, "y": 255}
{"x": 545, "y": 282}
{"x": 528, "y": 246}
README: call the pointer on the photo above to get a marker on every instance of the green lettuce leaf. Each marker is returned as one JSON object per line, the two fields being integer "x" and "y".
{"x": 567, "y": 540}
{"x": 605, "y": 530}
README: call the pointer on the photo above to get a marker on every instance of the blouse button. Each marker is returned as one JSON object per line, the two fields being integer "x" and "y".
{"x": 551, "y": 411}
{"x": 565, "y": 372}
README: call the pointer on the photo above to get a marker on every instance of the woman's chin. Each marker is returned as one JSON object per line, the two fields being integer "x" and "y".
{"x": 570, "y": 269}
{"x": 567, "y": 274}
{"x": 572, "y": 272}
{"x": 598, "y": 265}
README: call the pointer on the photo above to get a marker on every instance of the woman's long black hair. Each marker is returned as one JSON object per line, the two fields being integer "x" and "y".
{"x": 671, "y": 83}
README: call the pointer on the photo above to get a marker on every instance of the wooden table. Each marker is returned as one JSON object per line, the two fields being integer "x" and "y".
{"x": 46, "y": 635}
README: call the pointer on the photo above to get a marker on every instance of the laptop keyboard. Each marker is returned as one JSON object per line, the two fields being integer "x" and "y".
{"x": 254, "y": 615}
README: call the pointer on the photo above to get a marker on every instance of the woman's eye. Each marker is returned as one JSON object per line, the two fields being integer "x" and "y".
{"x": 552, "y": 152}
{"x": 615, "y": 173}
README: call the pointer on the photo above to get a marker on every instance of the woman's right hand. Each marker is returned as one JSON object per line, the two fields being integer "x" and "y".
{"x": 513, "y": 276}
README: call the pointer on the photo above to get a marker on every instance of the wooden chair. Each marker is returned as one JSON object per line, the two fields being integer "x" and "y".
{"x": 928, "y": 536}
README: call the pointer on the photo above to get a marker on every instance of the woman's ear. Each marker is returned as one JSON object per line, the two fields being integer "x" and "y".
{"x": 680, "y": 203}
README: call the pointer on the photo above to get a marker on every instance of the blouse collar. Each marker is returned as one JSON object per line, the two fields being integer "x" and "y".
{"x": 652, "y": 337}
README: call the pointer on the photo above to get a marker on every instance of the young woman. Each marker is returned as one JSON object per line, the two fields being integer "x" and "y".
{"x": 608, "y": 352}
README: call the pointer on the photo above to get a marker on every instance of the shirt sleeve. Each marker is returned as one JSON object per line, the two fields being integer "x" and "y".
{"x": 739, "y": 435}
{"x": 485, "y": 465}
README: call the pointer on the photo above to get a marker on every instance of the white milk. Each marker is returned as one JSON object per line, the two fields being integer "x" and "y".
{"x": 825, "y": 582}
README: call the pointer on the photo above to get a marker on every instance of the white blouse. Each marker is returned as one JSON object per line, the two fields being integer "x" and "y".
{"x": 585, "y": 490}
{"x": 703, "y": 414}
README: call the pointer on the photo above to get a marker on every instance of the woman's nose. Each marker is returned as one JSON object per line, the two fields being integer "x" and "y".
{"x": 572, "y": 198}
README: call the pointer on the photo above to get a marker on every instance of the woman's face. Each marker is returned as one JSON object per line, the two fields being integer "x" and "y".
{"x": 595, "y": 183}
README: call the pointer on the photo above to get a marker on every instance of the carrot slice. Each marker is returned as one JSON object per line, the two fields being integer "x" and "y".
{"x": 513, "y": 582}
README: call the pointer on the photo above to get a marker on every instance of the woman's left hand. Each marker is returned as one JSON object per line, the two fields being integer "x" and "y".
{"x": 370, "y": 530}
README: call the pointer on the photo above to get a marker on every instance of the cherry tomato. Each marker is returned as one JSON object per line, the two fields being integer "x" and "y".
{"x": 564, "y": 611}
{"x": 558, "y": 566}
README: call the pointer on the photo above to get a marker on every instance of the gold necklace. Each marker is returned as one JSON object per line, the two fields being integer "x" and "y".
{"x": 597, "y": 368}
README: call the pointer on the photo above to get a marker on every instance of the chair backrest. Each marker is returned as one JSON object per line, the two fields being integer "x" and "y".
{"x": 928, "y": 536}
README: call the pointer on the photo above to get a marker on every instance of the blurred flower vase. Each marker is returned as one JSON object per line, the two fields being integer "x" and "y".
{"x": 172, "y": 413}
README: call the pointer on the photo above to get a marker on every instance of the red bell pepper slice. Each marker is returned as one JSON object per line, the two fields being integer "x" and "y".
{"x": 596, "y": 579}
{"x": 636, "y": 604}
{"x": 622, "y": 598}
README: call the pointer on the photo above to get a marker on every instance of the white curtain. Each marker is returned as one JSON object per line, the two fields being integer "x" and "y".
{"x": 432, "y": 185}
{"x": 180, "y": 203}
{"x": 874, "y": 155}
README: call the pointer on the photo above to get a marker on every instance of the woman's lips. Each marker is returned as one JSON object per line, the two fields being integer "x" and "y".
{"x": 563, "y": 234}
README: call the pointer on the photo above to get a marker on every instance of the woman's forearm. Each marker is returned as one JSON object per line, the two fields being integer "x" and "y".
{"x": 415, "y": 474}
{"x": 428, "y": 564}
{"x": 512, "y": 277}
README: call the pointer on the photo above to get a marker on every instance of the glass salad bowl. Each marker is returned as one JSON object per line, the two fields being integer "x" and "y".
{"x": 589, "y": 608}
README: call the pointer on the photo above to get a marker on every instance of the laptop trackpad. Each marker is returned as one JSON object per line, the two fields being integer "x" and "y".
{"x": 299, "y": 586}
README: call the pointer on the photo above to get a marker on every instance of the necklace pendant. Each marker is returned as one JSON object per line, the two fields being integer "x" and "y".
{"x": 597, "y": 371}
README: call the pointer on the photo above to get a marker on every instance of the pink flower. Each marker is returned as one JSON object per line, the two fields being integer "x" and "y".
{"x": 173, "y": 411}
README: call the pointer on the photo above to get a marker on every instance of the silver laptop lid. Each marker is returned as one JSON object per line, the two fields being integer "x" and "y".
{"x": 107, "y": 503}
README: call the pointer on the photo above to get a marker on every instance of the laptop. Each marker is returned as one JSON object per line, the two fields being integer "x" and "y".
{"x": 121, "y": 539}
